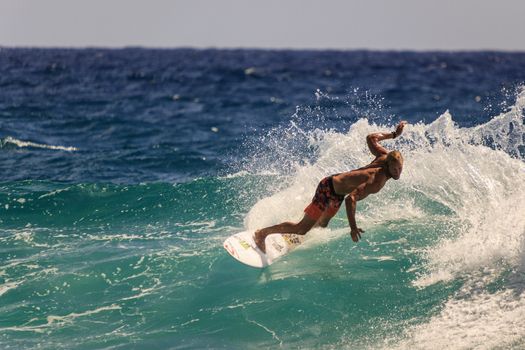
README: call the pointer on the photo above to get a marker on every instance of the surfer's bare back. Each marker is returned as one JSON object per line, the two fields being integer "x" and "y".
{"x": 350, "y": 187}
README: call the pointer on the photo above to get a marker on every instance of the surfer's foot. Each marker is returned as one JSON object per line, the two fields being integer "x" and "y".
{"x": 259, "y": 238}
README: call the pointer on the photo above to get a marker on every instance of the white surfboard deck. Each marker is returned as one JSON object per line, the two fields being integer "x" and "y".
{"x": 243, "y": 248}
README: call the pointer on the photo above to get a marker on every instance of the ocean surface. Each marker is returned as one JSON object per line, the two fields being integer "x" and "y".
{"x": 122, "y": 171}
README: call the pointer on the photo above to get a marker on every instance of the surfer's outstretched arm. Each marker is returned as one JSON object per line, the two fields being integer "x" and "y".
{"x": 351, "y": 204}
{"x": 373, "y": 139}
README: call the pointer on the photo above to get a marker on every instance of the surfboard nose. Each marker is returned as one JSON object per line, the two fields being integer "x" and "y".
{"x": 230, "y": 249}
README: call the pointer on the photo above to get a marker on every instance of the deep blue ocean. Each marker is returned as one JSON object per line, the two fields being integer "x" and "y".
{"x": 123, "y": 171}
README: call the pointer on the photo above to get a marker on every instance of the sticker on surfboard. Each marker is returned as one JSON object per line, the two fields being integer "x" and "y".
{"x": 242, "y": 247}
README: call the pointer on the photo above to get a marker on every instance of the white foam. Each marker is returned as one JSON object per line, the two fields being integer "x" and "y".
{"x": 52, "y": 193}
{"x": 4, "y": 288}
{"x": 58, "y": 321}
{"x": 481, "y": 321}
{"x": 241, "y": 173}
{"x": 485, "y": 188}
{"x": 144, "y": 291}
{"x": 70, "y": 317}
{"x": 27, "y": 236}
{"x": 21, "y": 143}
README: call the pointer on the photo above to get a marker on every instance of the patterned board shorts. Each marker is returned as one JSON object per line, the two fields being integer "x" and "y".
{"x": 325, "y": 200}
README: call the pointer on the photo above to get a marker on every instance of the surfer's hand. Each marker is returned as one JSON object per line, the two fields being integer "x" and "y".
{"x": 356, "y": 234}
{"x": 400, "y": 126}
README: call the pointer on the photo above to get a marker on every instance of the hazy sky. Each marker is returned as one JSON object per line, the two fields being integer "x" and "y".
{"x": 339, "y": 24}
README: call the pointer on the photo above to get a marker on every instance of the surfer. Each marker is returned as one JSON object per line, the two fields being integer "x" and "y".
{"x": 350, "y": 187}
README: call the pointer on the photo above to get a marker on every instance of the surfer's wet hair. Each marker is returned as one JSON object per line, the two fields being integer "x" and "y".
{"x": 394, "y": 156}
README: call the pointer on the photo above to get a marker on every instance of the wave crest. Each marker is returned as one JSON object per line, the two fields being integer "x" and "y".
{"x": 11, "y": 141}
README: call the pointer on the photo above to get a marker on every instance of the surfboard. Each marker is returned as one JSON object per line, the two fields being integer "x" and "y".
{"x": 242, "y": 247}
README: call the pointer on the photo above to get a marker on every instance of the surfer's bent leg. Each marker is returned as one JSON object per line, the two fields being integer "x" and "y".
{"x": 300, "y": 228}
{"x": 330, "y": 212}
{"x": 323, "y": 201}
{"x": 323, "y": 220}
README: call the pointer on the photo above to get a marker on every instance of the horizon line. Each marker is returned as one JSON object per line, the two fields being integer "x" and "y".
{"x": 255, "y": 48}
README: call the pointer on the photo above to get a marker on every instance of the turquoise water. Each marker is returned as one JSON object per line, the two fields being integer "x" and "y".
{"x": 144, "y": 264}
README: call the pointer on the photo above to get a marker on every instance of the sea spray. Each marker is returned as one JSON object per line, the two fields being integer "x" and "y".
{"x": 471, "y": 183}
